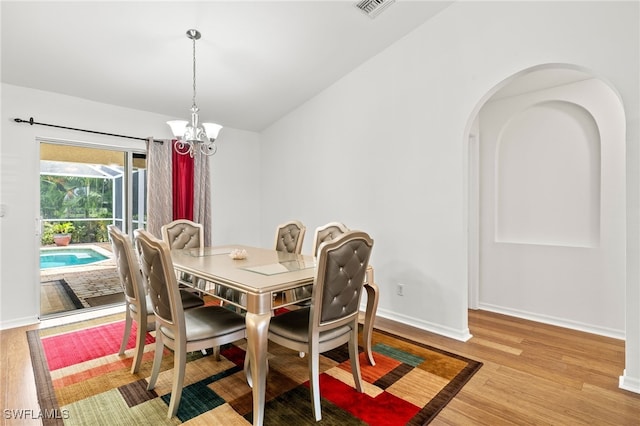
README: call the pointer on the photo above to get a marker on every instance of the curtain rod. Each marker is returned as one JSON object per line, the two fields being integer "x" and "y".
{"x": 31, "y": 122}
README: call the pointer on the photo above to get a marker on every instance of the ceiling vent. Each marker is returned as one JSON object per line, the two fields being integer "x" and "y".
{"x": 373, "y": 8}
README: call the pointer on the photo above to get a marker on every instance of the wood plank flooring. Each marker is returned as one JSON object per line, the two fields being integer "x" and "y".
{"x": 532, "y": 374}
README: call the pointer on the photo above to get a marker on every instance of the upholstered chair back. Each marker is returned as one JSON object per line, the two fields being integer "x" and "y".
{"x": 157, "y": 270}
{"x": 289, "y": 237}
{"x": 327, "y": 232}
{"x": 127, "y": 266}
{"x": 183, "y": 233}
{"x": 342, "y": 265}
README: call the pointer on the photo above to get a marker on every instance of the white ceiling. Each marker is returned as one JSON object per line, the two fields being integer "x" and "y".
{"x": 256, "y": 60}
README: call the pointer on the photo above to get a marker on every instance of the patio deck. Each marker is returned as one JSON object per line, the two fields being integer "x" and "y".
{"x": 87, "y": 281}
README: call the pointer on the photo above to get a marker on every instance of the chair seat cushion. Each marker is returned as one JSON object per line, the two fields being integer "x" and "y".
{"x": 190, "y": 300}
{"x": 294, "y": 325}
{"x": 207, "y": 322}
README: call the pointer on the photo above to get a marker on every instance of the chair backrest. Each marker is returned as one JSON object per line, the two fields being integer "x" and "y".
{"x": 157, "y": 270}
{"x": 341, "y": 267}
{"x": 127, "y": 266}
{"x": 183, "y": 233}
{"x": 289, "y": 237}
{"x": 327, "y": 232}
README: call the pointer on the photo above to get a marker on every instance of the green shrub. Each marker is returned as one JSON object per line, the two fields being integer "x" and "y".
{"x": 62, "y": 228}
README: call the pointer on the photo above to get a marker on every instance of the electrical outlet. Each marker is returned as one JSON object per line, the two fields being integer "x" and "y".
{"x": 400, "y": 289}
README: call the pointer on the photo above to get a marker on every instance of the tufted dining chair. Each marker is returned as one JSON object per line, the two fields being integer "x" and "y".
{"x": 134, "y": 294}
{"x": 323, "y": 233}
{"x": 180, "y": 330}
{"x": 138, "y": 305}
{"x": 327, "y": 232}
{"x": 289, "y": 237}
{"x": 332, "y": 318}
{"x": 184, "y": 234}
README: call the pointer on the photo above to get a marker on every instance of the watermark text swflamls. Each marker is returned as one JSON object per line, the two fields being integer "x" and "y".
{"x": 30, "y": 414}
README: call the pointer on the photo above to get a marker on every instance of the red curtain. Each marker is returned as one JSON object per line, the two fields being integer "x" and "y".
{"x": 182, "y": 185}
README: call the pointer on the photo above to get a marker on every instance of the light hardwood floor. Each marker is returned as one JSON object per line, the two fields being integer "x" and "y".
{"x": 532, "y": 374}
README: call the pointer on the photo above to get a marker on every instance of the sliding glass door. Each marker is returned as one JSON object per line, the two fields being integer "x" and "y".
{"x": 83, "y": 189}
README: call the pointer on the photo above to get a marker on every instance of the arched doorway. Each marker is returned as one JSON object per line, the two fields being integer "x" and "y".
{"x": 547, "y": 200}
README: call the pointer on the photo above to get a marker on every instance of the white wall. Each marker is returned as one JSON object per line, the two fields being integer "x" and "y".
{"x": 384, "y": 148}
{"x": 20, "y": 167}
{"x": 235, "y": 174}
{"x": 553, "y": 227}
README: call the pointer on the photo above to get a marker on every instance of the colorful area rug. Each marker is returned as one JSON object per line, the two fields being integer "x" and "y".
{"x": 57, "y": 296}
{"x": 81, "y": 380}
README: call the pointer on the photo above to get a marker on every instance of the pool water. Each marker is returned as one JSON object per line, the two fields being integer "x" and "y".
{"x": 58, "y": 258}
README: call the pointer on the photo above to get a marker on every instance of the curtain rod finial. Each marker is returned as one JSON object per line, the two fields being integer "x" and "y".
{"x": 19, "y": 120}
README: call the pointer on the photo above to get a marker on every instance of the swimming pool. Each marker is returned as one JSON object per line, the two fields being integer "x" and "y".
{"x": 58, "y": 258}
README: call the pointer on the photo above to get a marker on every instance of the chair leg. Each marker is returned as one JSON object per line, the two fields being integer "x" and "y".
{"x": 354, "y": 357}
{"x": 179, "y": 363}
{"x": 157, "y": 360}
{"x": 314, "y": 385}
{"x": 127, "y": 331}
{"x": 141, "y": 333}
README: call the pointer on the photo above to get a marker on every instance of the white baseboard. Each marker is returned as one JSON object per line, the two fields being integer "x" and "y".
{"x": 560, "y": 322}
{"x": 461, "y": 335}
{"x": 632, "y": 384}
{"x": 65, "y": 318}
{"x": 19, "y": 322}
{"x": 81, "y": 315}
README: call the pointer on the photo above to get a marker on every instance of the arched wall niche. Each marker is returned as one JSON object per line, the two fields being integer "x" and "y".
{"x": 547, "y": 178}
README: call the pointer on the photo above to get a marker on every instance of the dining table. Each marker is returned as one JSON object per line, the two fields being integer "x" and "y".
{"x": 259, "y": 281}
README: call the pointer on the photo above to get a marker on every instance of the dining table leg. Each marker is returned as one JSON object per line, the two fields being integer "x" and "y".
{"x": 370, "y": 314}
{"x": 256, "y": 369}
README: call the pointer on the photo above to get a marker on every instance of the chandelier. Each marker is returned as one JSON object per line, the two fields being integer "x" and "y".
{"x": 194, "y": 135}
